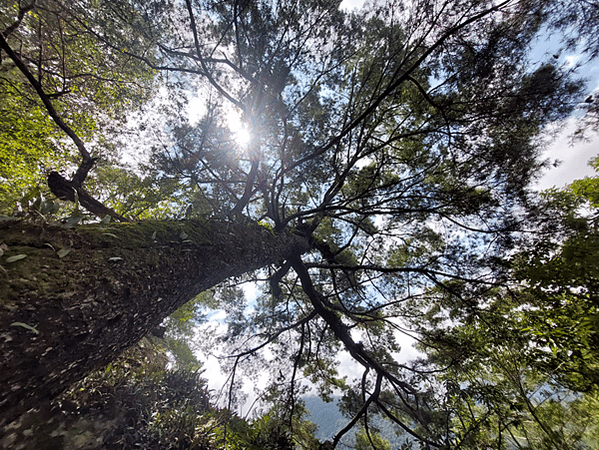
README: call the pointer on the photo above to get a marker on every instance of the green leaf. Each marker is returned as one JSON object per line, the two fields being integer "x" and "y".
{"x": 63, "y": 252}
{"x": 12, "y": 259}
{"x": 76, "y": 201}
{"x": 30, "y": 195}
{"x": 46, "y": 206}
{"x": 73, "y": 220}
{"x": 24, "y": 325}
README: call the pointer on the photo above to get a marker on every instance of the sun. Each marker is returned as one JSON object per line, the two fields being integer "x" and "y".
{"x": 241, "y": 134}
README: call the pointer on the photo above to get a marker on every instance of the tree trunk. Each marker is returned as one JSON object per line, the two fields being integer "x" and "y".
{"x": 81, "y": 296}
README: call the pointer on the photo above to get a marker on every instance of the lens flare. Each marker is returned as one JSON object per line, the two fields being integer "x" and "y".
{"x": 241, "y": 135}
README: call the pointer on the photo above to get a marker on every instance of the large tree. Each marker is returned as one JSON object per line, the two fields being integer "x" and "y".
{"x": 391, "y": 151}
{"x": 519, "y": 366}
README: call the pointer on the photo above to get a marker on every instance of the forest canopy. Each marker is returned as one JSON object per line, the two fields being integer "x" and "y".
{"x": 383, "y": 195}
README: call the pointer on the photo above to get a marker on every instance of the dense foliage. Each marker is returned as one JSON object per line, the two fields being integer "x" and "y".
{"x": 519, "y": 367}
{"x": 400, "y": 140}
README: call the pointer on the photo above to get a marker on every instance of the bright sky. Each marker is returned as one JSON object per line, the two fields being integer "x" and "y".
{"x": 351, "y": 4}
{"x": 573, "y": 157}
{"x": 196, "y": 108}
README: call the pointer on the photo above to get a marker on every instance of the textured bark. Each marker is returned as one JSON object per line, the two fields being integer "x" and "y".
{"x": 62, "y": 317}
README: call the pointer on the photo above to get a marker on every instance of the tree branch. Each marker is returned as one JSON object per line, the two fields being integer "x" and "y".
{"x": 374, "y": 396}
{"x": 65, "y": 190}
{"x": 87, "y": 161}
{"x": 397, "y": 80}
{"x": 393, "y": 418}
{"x": 272, "y": 337}
{"x": 420, "y": 270}
{"x": 339, "y": 328}
{"x": 212, "y": 81}
{"x": 16, "y": 23}
{"x": 62, "y": 188}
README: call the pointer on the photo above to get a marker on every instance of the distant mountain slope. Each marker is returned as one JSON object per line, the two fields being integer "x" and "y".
{"x": 330, "y": 421}
{"x": 326, "y": 416}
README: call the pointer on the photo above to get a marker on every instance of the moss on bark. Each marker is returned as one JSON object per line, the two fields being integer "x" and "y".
{"x": 81, "y": 296}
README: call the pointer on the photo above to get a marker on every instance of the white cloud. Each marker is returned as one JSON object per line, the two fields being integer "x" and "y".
{"x": 574, "y": 159}
{"x": 351, "y": 4}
